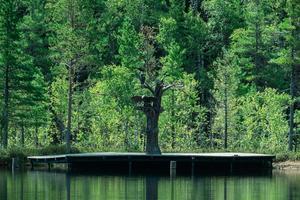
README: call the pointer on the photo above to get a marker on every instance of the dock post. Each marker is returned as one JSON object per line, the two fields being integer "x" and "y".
{"x": 129, "y": 168}
{"x": 193, "y": 166}
{"x": 32, "y": 166}
{"x": 49, "y": 166}
{"x": 231, "y": 167}
{"x": 13, "y": 163}
{"x": 172, "y": 168}
{"x": 270, "y": 164}
{"x": 69, "y": 166}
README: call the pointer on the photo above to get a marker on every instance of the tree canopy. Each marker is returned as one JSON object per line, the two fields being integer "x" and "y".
{"x": 206, "y": 74}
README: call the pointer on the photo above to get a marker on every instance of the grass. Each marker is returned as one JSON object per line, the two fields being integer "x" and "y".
{"x": 293, "y": 156}
{"x": 22, "y": 153}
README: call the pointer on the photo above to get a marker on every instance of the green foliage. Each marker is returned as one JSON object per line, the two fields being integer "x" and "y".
{"x": 53, "y": 150}
{"x": 129, "y": 46}
{"x": 262, "y": 124}
{"x": 224, "y": 18}
{"x": 167, "y": 31}
{"x": 216, "y": 54}
{"x": 284, "y": 156}
{"x": 115, "y": 123}
{"x": 226, "y": 94}
{"x": 172, "y": 63}
{"x": 180, "y": 106}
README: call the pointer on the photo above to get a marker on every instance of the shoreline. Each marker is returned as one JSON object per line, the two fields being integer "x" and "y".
{"x": 284, "y": 163}
{"x": 287, "y": 166}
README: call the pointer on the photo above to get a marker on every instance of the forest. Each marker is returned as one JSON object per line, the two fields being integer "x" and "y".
{"x": 118, "y": 75}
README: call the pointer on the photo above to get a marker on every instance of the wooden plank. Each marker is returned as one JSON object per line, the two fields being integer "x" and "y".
{"x": 120, "y": 156}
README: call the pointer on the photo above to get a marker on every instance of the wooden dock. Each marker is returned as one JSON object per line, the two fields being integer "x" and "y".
{"x": 166, "y": 161}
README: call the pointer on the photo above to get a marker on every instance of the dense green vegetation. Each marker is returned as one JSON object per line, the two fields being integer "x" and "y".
{"x": 226, "y": 74}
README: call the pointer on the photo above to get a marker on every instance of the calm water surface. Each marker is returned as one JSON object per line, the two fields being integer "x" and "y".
{"x": 43, "y": 185}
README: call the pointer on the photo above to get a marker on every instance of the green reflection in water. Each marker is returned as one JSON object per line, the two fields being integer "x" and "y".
{"x": 42, "y": 185}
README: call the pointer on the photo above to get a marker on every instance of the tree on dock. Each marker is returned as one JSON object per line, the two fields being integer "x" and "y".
{"x": 154, "y": 75}
{"x": 151, "y": 80}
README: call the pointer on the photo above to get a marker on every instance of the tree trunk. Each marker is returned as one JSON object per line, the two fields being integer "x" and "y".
{"x": 70, "y": 100}
{"x": 257, "y": 46}
{"x": 293, "y": 83}
{"x": 22, "y": 135}
{"x": 225, "y": 117}
{"x": 292, "y": 106}
{"x": 152, "y": 146}
{"x": 127, "y": 139}
{"x": 152, "y": 109}
{"x": 36, "y": 139}
{"x": 5, "y": 119}
{"x": 200, "y": 93}
{"x": 173, "y": 121}
{"x": 256, "y": 60}
{"x": 9, "y": 28}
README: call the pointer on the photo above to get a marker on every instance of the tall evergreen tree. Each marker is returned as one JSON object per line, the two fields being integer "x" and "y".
{"x": 69, "y": 47}
{"x": 288, "y": 56}
{"x": 10, "y": 13}
{"x": 35, "y": 32}
{"x": 225, "y": 93}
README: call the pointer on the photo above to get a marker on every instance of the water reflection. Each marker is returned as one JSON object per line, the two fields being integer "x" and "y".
{"x": 151, "y": 188}
{"x": 225, "y": 188}
{"x": 42, "y": 185}
{"x": 3, "y": 186}
{"x": 68, "y": 186}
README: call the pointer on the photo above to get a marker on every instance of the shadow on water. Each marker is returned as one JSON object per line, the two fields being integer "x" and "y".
{"x": 60, "y": 185}
{"x": 163, "y": 169}
{"x": 3, "y": 186}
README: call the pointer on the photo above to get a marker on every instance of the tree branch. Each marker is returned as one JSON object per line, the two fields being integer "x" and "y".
{"x": 165, "y": 88}
{"x": 147, "y": 86}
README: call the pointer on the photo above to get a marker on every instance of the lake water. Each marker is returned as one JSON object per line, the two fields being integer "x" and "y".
{"x": 44, "y": 185}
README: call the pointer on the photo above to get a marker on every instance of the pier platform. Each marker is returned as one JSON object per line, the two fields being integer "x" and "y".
{"x": 165, "y": 161}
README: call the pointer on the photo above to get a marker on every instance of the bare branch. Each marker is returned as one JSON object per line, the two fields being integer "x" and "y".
{"x": 147, "y": 86}
{"x": 66, "y": 64}
{"x": 167, "y": 87}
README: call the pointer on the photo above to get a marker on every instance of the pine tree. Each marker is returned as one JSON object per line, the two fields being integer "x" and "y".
{"x": 129, "y": 46}
{"x": 10, "y": 14}
{"x": 255, "y": 45}
{"x": 172, "y": 63}
{"x": 32, "y": 60}
{"x": 69, "y": 47}
{"x": 288, "y": 56}
{"x": 223, "y": 18}
{"x": 35, "y": 35}
{"x": 226, "y": 83}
